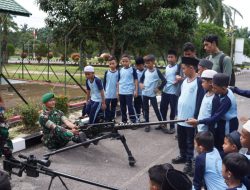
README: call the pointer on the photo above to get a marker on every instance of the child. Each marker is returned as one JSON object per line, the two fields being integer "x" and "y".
{"x": 231, "y": 143}
{"x": 204, "y": 64}
{"x": 6, "y": 145}
{"x": 110, "y": 86}
{"x": 139, "y": 63}
{"x": 189, "y": 103}
{"x": 245, "y": 142}
{"x": 210, "y": 102}
{"x": 95, "y": 95}
{"x": 235, "y": 167}
{"x": 168, "y": 95}
{"x": 208, "y": 164}
{"x": 226, "y": 115}
{"x": 149, "y": 85}
{"x": 165, "y": 177}
{"x": 127, "y": 88}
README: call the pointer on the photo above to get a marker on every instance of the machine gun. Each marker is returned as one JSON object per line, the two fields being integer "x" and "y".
{"x": 99, "y": 131}
{"x": 33, "y": 167}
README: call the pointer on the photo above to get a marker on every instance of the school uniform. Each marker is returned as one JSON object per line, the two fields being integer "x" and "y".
{"x": 189, "y": 104}
{"x": 126, "y": 78}
{"x": 246, "y": 179}
{"x": 168, "y": 96}
{"x": 110, "y": 86}
{"x": 225, "y": 117}
{"x": 208, "y": 168}
{"x": 150, "y": 80}
{"x": 245, "y": 93}
{"x": 138, "y": 99}
{"x": 240, "y": 187}
{"x": 93, "y": 107}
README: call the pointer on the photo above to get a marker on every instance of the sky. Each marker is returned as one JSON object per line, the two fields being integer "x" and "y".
{"x": 38, "y": 16}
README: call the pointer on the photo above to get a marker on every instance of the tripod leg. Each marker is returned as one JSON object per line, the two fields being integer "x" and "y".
{"x": 63, "y": 183}
{"x": 50, "y": 183}
{"x": 131, "y": 158}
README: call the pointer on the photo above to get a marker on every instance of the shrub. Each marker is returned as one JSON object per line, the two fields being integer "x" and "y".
{"x": 75, "y": 57}
{"x": 50, "y": 55}
{"x": 29, "y": 114}
{"x": 23, "y": 55}
{"x": 38, "y": 58}
{"x": 62, "y": 103}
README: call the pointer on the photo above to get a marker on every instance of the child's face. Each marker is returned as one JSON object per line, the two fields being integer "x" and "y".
{"x": 218, "y": 89}
{"x": 112, "y": 64}
{"x": 125, "y": 62}
{"x": 201, "y": 69}
{"x": 198, "y": 148}
{"x": 245, "y": 138}
{"x": 228, "y": 147}
{"x": 140, "y": 67}
{"x": 150, "y": 64}
{"x": 187, "y": 70}
{"x": 189, "y": 53}
{"x": 89, "y": 75}
{"x": 206, "y": 84}
{"x": 171, "y": 59}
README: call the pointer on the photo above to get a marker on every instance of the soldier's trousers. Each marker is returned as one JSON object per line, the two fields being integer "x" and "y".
{"x": 6, "y": 145}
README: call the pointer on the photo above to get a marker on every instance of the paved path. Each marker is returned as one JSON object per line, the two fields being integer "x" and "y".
{"x": 107, "y": 163}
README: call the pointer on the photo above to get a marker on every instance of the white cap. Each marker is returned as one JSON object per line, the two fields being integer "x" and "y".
{"x": 89, "y": 69}
{"x": 209, "y": 74}
{"x": 246, "y": 126}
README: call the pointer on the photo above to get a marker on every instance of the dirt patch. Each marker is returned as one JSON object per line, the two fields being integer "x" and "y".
{"x": 32, "y": 92}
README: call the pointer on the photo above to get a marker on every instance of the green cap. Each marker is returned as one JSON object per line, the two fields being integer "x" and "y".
{"x": 47, "y": 97}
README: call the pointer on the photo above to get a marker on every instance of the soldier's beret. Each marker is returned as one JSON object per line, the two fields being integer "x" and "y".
{"x": 47, "y": 97}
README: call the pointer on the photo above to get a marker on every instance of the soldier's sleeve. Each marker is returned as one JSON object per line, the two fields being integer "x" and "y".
{"x": 45, "y": 122}
{"x": 63, "y": 117}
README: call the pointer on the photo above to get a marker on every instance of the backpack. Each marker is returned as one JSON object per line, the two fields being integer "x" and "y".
{"x": 232, "y": 77}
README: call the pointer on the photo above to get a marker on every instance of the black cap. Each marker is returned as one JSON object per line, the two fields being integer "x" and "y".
{"x": 234, "y": 137}
{"x": 4, "y": 181}
{"x": 139, "y": 61}
{"x": 221, "y": 79}
{"x": 172, "y": 52}
{"x": 206, "y": 63}
{"x": 178, "y": 180}
{"x": 190, "y": 61}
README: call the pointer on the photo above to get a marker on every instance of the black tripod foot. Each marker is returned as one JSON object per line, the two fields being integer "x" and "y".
{"x": 132, "y": 161}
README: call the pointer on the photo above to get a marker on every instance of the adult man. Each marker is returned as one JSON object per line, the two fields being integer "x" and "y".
{"x": 57, "y": 129}
{"x": 221, "y": 63}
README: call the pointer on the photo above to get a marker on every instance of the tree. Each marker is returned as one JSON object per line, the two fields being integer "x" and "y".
{"x": 119, "y": 26}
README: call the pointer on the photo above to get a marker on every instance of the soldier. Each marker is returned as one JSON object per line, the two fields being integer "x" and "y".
{"x": 57, "y": 129}
{"x": 6, "y": 146}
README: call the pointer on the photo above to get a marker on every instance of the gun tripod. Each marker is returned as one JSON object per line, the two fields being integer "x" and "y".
{"x": 101, "y": 136}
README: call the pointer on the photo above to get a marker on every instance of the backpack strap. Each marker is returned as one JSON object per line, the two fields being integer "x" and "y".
{"x": 221, "y": 62}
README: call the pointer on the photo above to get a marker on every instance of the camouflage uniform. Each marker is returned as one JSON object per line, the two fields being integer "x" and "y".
{"x": 6, "y": 145}
{"x": 54, "y": 134}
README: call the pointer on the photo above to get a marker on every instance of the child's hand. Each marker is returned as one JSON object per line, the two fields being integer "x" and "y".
{"x": 244, "y": 119}
{"x": 104, "y": 106}
{"x": 135, "y": 94}
{"x": 141, "y": 86}
{"x": 192, "y": 121}
{"x": 156, "y": 90}
{"x": 178, "y": 78}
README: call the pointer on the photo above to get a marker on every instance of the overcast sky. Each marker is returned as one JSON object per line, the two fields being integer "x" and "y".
{"x": 37, "y": 18}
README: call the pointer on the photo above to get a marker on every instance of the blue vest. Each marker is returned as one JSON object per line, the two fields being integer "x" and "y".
{"x": 213, "y": 171}
{"x": 95, "y": 93}
{"x": 111, "y": 84}
{"x": 150, "y": 83}
{"x": 187, "y": 101}
{"x": 170, "y": 75}
{"x": 205, "y": 111}
{"x": 126, "y": 81}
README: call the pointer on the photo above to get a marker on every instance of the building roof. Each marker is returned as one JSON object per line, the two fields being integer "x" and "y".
{"x": 12, "y": 7}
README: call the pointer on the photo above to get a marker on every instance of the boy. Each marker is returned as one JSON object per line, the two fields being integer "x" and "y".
{"x": 6, "y": 145}
{"x": 188, "y": 107}
{"x": 226, "y": 114}
{"x": 231, "y": 143}
{"x": 210, "y": 102}
{"x": 204, "y": 64}
{"x": 165, "y": 177}
{"x": 208, "y": 164}
{"x": 149, "y": 85}
{"x": 139, "y": 63}
{"x": 235, "y": 167}
{"x": 127, "y": 89}
{"x": 55, "y": 135}
{"x": 110, "y": 86}
{"x": 168, "y": 95}
{"x": 95, "y": 95}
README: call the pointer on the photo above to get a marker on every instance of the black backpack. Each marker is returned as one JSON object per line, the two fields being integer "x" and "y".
{"x": 232, "y": 78}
